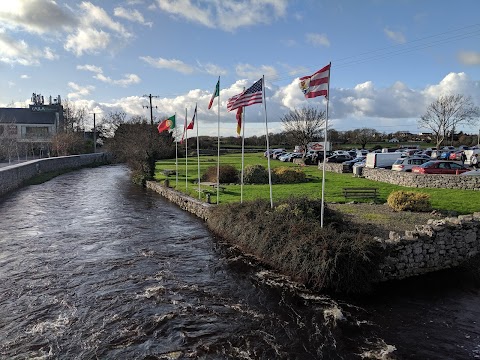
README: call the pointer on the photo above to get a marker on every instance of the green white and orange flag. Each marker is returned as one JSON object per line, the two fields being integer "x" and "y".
{"x": 167, "y": 124}
{"x": 215, "y": 94}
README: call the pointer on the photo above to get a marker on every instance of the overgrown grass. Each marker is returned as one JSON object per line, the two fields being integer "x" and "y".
{"x": 460, "y": 201}
{"x": 339, "y": 257}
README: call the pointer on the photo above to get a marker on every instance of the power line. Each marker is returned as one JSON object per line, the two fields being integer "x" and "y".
{"x": 150, "y": 107}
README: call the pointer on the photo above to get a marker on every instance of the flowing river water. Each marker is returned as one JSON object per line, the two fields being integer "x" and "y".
{"x": 93, "y": 267}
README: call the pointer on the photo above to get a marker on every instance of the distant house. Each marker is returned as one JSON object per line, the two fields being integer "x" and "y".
{"x": 393, "y": 140}
{"x": 37, "y": 123}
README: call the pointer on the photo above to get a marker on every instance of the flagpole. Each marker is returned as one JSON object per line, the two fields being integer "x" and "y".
{"x": 242, "y": 122}
{"x": 218, "y": 144}
{"x": 198, "y": 153}
{"x": 176, "y": 153}
{"x": 268, "y": 145}
{"x": 322, "y": 211}
{"x": 186, "y": 151}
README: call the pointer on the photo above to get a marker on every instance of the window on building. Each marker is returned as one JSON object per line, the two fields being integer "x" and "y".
{"x": 36, "y": 132}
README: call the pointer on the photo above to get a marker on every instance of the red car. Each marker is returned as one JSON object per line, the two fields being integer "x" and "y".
{"x": 439, "y": 167}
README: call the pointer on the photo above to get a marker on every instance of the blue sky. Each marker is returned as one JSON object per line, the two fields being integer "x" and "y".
{"x": 390, "y": 58}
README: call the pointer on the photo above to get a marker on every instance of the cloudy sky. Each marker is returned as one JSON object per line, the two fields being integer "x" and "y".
{"x": 390, "y": 58}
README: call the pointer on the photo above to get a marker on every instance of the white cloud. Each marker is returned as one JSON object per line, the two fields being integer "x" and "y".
{"x": 318, "y": 39}
{"x": 128, "y": 79}
{"x": 132, "y": 15}
{"x": 24, "y": 77}
{"x": 87, "y": 40}
{"x": 212, "y": 69}
{"x": 228, "y": 15}
{"x": 172, "y": 64}
{"x": 251, "y": 72}
{"x": 79, "y": 91}
{"x": 14, "y": 51}
{"x": 469, "y": 57}
{"x": 36, "y": 16}
{"x": 92, "y": 68}
{"x": 396, "y": 36}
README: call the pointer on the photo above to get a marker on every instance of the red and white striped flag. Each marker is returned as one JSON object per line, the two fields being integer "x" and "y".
{"x": 253, "y": 95}
{"x": 316, "y": 84}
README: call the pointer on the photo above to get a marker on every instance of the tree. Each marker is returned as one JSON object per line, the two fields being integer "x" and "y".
{"x": 364, "y": 136}
{"x": 139, "y": 144}
{"x": 447, "y": 113}
{"x": 304, "y": 125}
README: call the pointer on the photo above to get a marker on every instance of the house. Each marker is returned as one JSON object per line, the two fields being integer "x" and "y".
{"x": 36, "y": 124}
{"x": 393, "y": 140}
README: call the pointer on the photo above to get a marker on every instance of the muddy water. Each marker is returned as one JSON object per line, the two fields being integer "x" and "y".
{"x": 92, "y": 266}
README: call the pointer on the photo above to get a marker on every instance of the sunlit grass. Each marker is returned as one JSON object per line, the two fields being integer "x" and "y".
{"x": 461, "y": 201}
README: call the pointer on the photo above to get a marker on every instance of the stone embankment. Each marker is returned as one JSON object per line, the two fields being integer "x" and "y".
{"x": 14, "y": 176}
{"x": 440, "y": 244}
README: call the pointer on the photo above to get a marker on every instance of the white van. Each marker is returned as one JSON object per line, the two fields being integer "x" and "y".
{"x": 469, "y": 153}
{"x": 381, "y": 160}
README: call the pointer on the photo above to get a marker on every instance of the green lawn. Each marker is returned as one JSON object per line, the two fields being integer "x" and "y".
{"x": 461, "y": 201}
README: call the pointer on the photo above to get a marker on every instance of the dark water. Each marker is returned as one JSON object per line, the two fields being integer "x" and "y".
{"x": 92, "y": 267}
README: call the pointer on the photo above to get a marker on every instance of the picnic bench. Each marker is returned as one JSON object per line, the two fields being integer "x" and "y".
{"x": 359, "y": 192}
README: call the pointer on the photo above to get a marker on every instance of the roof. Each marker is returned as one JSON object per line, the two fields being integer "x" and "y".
{"x": 26, "y": 116}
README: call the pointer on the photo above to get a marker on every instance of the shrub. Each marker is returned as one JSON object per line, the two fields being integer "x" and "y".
{"x": 228, "y": 174}
{"x": 286, "y": 175}
{"x": 409, "y": 200}
{"x": 339, "y": 256}
{"x": 255, "y": 174}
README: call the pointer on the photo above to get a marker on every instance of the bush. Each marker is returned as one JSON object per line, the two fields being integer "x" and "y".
{"x": 409, "y": 200}
{"x": 286, "y": 175}
{"x": 255, "y": 174}
{"x": 228, "y": 174}
{"x": 338, "y": 256}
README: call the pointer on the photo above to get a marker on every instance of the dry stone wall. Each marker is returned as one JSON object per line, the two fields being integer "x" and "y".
{"x": 440, "y": 244}
{"x": 12, "y": 177}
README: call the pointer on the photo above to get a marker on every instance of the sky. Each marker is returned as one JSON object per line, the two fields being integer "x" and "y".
{"x": 389, "y": 59}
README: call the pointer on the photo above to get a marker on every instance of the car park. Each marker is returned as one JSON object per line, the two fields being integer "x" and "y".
{"x": 406, "y": 164}
{"x": 475, "y": 172}
{"x": 349, "y": 163}
{"x": 439, "y": 167}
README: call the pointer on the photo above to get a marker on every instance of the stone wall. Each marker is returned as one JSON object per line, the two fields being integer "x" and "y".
{"x": 423, "y": 180}
{"x": 332, "y": 167}
{"x": 187, "y": 203}
{"x": 440, "y": 244}
{"x": 13, "y": 176}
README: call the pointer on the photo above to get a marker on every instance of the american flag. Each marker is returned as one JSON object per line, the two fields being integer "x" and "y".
{"x": 316, "y": 84}
{"x": 253, "y": 95}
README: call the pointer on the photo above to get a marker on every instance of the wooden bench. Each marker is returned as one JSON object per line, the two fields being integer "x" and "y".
{"x": 365, "y": 193}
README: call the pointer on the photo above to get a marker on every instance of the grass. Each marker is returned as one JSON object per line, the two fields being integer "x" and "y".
{"x": 460, "y": 201}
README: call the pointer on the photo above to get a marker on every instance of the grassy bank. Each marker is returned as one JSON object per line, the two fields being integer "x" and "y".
{"x": 460, "y": 201}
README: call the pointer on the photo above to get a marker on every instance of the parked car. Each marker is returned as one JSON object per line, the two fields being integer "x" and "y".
{"x": 277, "y": 154}
{"x": 456, "y": 155}
{"x": 406, "y": 164}
{"x": 339, "y": 158}
{"x": 290, "y": 156}
{"x": 475, "y": 172}
{"x": 350, "y": 163}
{"x": 445, "y": 155}
{"x": 310, "y": 155}
{"x": 439, "y": 167}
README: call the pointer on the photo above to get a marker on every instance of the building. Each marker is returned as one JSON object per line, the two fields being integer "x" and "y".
{"x": 31, "y": 127}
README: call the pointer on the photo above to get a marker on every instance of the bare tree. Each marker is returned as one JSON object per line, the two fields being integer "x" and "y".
{"x": 304, "y": 125}
{"x": 74, "y": 117}
{"x": 447, "y": 113}
{"x": 364, "y": 136}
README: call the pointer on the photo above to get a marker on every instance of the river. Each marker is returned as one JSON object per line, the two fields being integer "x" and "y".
{"x": 94, "y": 267}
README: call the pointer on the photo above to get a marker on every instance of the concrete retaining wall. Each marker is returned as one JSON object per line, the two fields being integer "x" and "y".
{"x": 13, "y": 176}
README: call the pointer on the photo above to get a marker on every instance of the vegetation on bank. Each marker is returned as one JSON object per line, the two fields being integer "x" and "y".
{"x": 339, "y": 257}
{"x": 448, "y": 200}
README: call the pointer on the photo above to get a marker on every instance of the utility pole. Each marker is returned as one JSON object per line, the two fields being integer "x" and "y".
{"x": 150, "y": 107}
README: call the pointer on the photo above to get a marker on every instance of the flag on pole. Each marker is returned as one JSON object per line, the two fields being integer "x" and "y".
{"x": 167, "y": 124}
{"x": 215, "y": 94}
{"x": 239, "y": 119}
{"x": 253, "y": 95}
{"x": 316, "y": 84}
{"x": 192, "y": 123}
